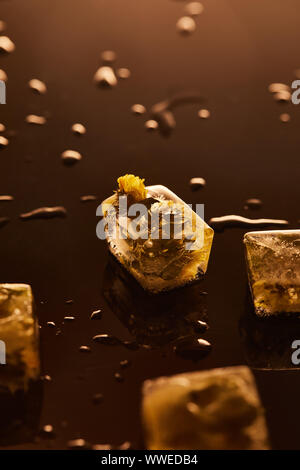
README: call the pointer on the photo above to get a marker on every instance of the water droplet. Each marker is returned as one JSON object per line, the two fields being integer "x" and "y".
{"x": 3, "y": 76}
{"x": 97, "y": 398}
{"x": 78, "y": 129}
{"x": 285, "y": 117}
{"x": 96, "y": 315}
{"x": 138, "y": 109}
{"x": 47, "y": 431}
{"x": 46, "y": 378}
{"x": 69, "y": 318}
{"x": 51, "y": 324}
{"x": 197, "y": 183}
{"x": 78, "y": 444}
{"x": 220, "y": 223}
{"x": 151, "y": 125}
{"x": 253, "y": 203}
{"x": 125, "y": 363}
{"x": 2, "y": 127}
{"x": 70, "y": 157}
{"x": 277, "y": 87}
{"x": 132, "y": 345}
{"x": 101, "y": 447}
{"x": 109, "y": 340}
{"x": 3, "y": 141}
{"x": 118, "y": 377}
{"x": 38, "y": 86}
{"x": 6, "y": 198}
{"x": 123, "y": 73}
{"x": 34, "y": 119}
{"x": 125, "y": 446}
{"x": 108, "y": 57}
{"x": 199, "y": 326}
{"x": 189, "y": 347}
{"x": 45, "y": 213}
{"x": 2, "y": 26}
{"x": 88, "y": 198}
{"x": 6, "y": 44}
{"x": 282, "y": 96}
{"x": 204, "y": 113}
{"x": 194, "y": 8}
{"x": 186, "y": 25}
{"x": 84, "y": 349}
{"x": 105, "y": 77}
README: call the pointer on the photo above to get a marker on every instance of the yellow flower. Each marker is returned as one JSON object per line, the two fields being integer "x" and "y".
{"x": 133, "y": 186}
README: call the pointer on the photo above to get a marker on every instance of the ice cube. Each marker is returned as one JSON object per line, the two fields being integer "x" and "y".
{"x": 207, "y": 410}
{"x": 19, "y": 334}
{"x": 173, "y": 243}
{"x": 273, "y": 260}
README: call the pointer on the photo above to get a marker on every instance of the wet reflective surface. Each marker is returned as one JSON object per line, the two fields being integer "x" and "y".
{"x": 243, "y": 151}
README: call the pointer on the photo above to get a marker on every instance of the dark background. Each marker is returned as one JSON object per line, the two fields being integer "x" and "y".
{"x": 243, "y": 151}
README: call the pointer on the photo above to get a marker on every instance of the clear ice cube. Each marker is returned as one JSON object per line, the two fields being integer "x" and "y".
{"x": 207, "y": 410}
{"x": 156, "y": 262}
{"x": 273, "y": 261}
{"x": 19, "y": 334}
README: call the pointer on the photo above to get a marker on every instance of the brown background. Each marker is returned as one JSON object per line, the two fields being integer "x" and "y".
{"x": 242, "y": 151}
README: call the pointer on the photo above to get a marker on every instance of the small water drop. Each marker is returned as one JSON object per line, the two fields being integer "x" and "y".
{"x": 6, "y": 44}
{"x": 97, "y": 398}
{"x": 189, "y": 347}
{"x": 96, "y": 315}
{"x": 285, "y": 117}
{"x": 78, "y": 444}
{"x": 46, "y": 378}
{"x": 78, "y": 129}
{"x": 37, "y": 86}
{"x": 186, "y": 25}
{"x": 252, "y": 203}
{"x": 277, "y": 87}
{"x": 35, "y": 119}
{"x": 3, "y": 141}
{"x": 101, "y": 447}
{"x": 132, "y": 345}
{"x": 47, "y": 432}
{"x": 105, "y": 77}
{"x": 51, "y": 324}
{"x": 123, "y": 73}
{"x": 119, "y": 377}
{"x": 282, "y": 96}
{"x": 2, "y": 127}
{"x": 109, "y": 340}
{"x": 204, "y": 113}
{"x": 199, "y": 326}
{"x": 84, "y": 349}
{"x": 69, "y": 318}
{"x": 138, "y": 109}
{"x": 70, "y": 157}
{"x": 151, "y": 125}
{"x": 108, "y": 57}
{"x": 6, "y": 198}
{"x": 88, "y": 198}
{"x": 197, "y": 183}
{"x": 194, "y": 9}
{"x": 125, "y": 363}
